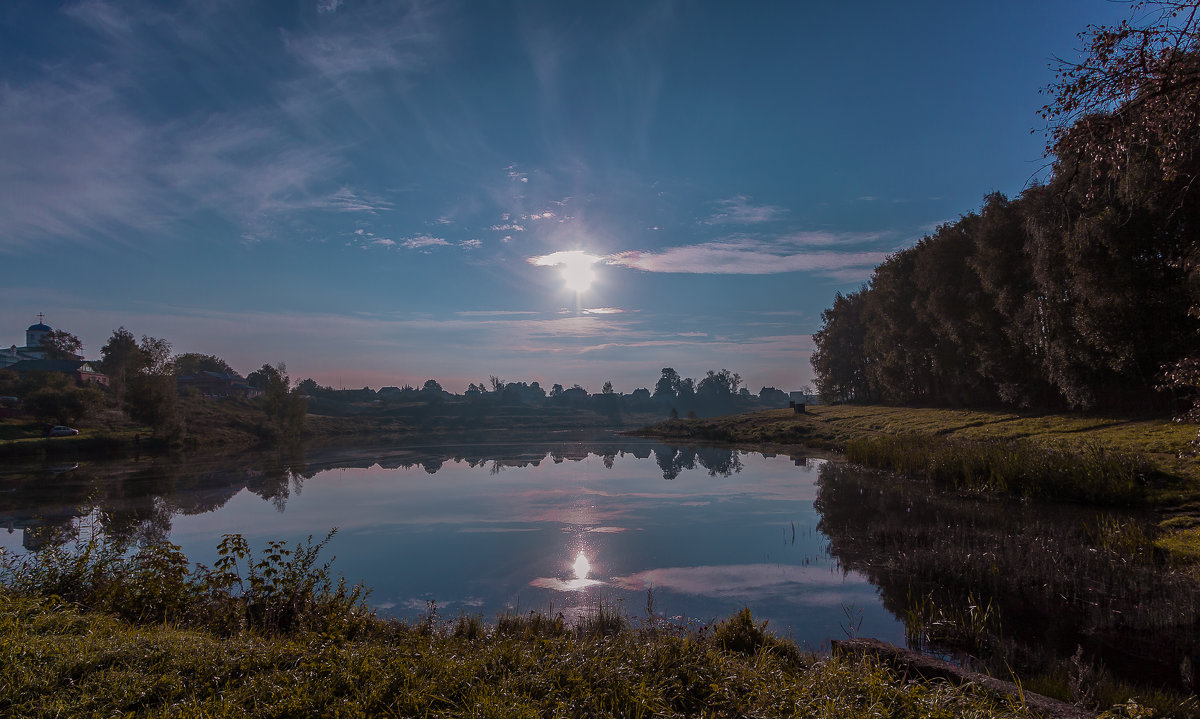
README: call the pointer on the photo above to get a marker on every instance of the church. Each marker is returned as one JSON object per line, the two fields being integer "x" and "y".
{"x": 33, "y": 346}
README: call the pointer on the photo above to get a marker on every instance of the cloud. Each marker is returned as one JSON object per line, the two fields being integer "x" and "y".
{"x": 507, "y": 227}
{"x": 348, "y": 200}
{"x": 471, "y": 244}
{"x": 384, "y": 242}
{"x": 421, "y": 242}
{"x": 494, "y": 313}
{"x": 603, "y": 311}
{"x": 568, "y": 257}
{"x": 737, "y": 210}
{"x": 394, "y": 38}
{"x": 742, "y": 257}
{"x": 826, "y": 239}
{"x": 325, "y": 7}
{"x": 750, "y": 581}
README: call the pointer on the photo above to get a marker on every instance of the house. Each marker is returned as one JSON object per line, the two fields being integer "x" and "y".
{"x": 217, "y": 384}
{"x": 79, "y": 370}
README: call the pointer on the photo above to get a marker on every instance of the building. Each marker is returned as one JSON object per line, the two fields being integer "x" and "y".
{"x": 32, "y": 350}
{"x": 217, "y": 384}
{"x": 78, "y": 370}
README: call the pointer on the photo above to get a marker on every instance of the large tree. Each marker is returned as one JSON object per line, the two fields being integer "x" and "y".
{"x": 193, "y": 362}
{"x": 1136, "y": 85}
{"x": 60, "y": 345}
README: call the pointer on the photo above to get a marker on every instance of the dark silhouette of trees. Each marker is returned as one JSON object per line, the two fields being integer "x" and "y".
{"x": 194, "y": 362}
{"x": 1081, "y": 292}
{"x": 61, "y": 345}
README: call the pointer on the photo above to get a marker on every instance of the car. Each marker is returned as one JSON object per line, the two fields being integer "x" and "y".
{"x": 61, "y": 431}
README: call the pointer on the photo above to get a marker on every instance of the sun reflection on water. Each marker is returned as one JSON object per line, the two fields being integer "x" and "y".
{"x": 582, "y": 566}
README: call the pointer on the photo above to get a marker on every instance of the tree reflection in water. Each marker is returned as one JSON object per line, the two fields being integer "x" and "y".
{"x": 1056, "y": 577}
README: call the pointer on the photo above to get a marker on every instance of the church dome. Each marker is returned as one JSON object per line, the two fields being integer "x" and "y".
{"x": 39, "y": 327}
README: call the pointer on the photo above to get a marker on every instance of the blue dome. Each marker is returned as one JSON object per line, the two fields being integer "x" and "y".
{"x": 39, "y": 327}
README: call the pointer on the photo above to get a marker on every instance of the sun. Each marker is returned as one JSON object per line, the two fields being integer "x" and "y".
{"x": 574, "y": 266}
{"x": 578, "y": 274}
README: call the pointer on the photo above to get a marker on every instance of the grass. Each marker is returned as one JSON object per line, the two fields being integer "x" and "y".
{"x": 1159, "y": 440}
{"x": 1095, "y": 459}
{"x": 86, "y": 654}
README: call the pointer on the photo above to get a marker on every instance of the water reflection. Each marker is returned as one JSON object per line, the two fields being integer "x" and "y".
{"x": 1058, "y": 578}
{"x": 582, "y": 567}
{"x": 559, "y": 525}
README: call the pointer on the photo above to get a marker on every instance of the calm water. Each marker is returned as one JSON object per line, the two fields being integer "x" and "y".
{"x": 819, "y": 548}
{"x": 484, "y": 528}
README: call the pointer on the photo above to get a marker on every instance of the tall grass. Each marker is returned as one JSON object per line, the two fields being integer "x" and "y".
{"x": 281, "y": 590}
{"x": 1089, "y": 473}
{"x": 102, "y": 630}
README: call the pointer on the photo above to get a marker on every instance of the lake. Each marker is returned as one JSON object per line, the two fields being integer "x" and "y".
{"x": 695, "y": 533}
{"x": 821, "y": 549}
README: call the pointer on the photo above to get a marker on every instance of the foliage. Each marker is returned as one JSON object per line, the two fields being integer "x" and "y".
{"x": 1075, "y": 294}
{"x": 284, "y": 591}
{"x": 151, "y": 399}
{"x": 284, "y": 405}
{"x": 1137, "y": 85}
{"x": 61, "y": 345}
{"x": 54, "y": 397}
{"x": 194, "y": 362}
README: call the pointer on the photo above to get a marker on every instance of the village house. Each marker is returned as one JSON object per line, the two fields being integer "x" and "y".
{"x": 79, "y": 370}
{"x": 217, "y": 384}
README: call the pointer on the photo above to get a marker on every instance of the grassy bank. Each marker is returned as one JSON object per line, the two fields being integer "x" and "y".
{"x": 1158, "y": 442}
{"x": 1128, "y": 461}
{"x": 101, "y": 633}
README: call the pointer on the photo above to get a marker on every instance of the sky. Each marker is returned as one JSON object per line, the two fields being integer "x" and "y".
{"x": 380, "y": 193}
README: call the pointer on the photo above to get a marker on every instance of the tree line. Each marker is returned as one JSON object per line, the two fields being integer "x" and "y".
{"x": 1083, "y": 291}
{"x": 143, "y": 383}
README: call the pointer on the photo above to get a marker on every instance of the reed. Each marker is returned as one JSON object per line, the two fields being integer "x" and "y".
{"x": 1089, "y": 472}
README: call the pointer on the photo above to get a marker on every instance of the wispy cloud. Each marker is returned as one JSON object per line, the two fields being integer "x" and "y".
{"x": 738, "y": 210}
{"x": 392, "y": 37}
{"x": 421, "y": 242}
{"x": 742, "y": 257}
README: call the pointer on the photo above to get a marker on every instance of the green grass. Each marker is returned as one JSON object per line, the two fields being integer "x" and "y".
{"x": 101, "y": 631}
{"x": 1096, "y": 459}
{"x": 55, "y": 661}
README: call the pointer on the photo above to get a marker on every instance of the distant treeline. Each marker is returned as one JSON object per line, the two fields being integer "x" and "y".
{"x": 718, "y": 392}
{"x": 1080, "y": 293}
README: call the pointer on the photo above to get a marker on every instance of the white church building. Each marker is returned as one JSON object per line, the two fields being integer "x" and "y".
{"x": 32, "y": 349}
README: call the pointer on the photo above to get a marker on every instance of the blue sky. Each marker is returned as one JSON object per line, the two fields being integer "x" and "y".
{"x": 363, "y": 190}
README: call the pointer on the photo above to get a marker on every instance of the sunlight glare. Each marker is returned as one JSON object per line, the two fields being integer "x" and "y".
{"x": 582, "y": 566}
{"x": 577, "y": 272}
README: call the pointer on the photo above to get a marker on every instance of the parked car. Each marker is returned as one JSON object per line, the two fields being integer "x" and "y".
{"x": 61, "y": 431}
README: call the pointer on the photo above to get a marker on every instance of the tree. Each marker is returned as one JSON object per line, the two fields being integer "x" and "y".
{"x": 608, "y": 388}
{"x": 59, "y": 400}
{"x": 152, "y": 399}
{"x": 431, "y": 386}
{"x": 194, "y": 362}
{"x": 840, "y": 360}
{"x": 719, "y": 385}
{"x": 120, "y": 358}
{"x": 1137, "y": 85}
{"x": 667, "y": 387}
{"x": 262, "y": 377}
{"x": 285, "y": 406}
{"x": 60, "y": 345}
